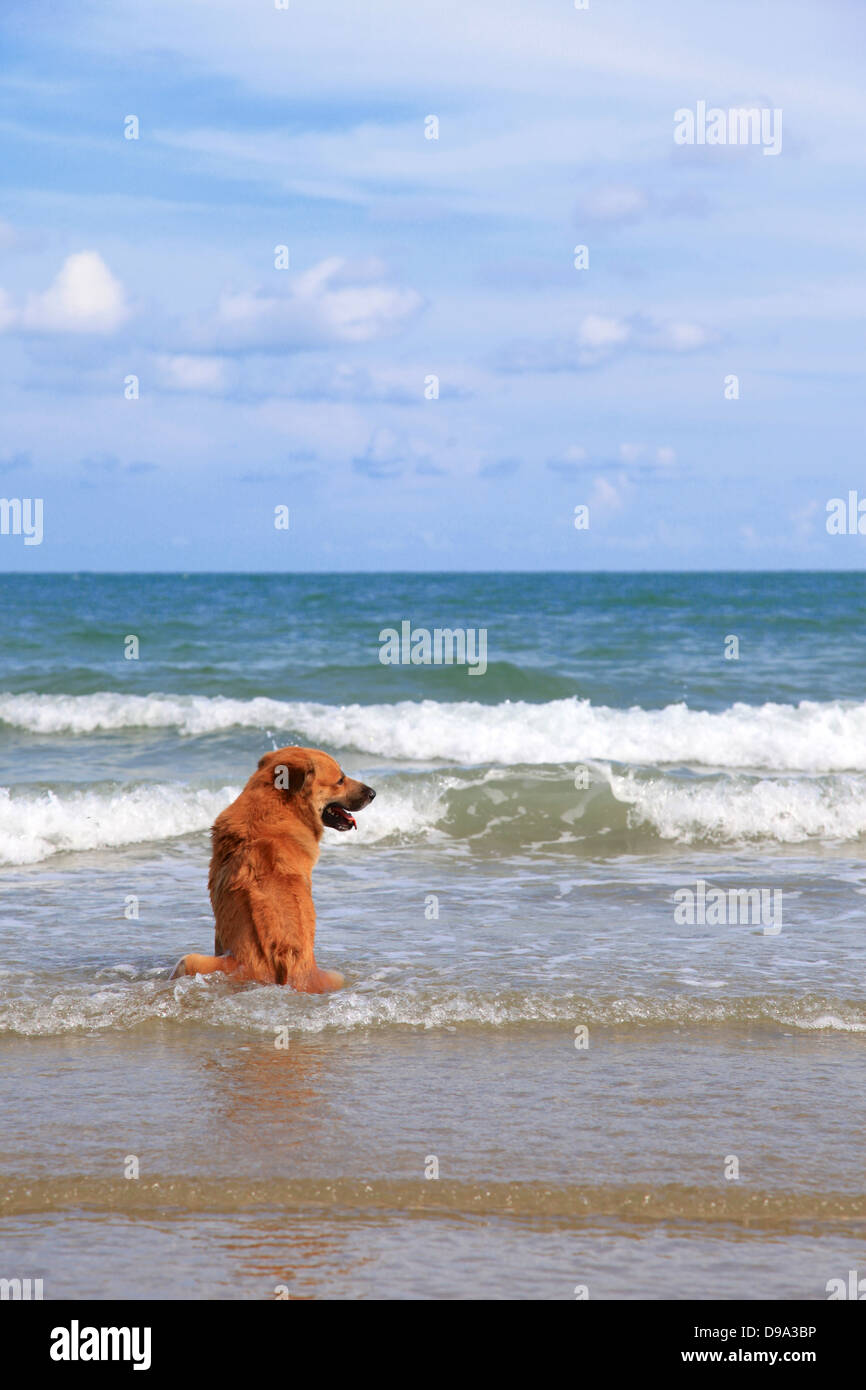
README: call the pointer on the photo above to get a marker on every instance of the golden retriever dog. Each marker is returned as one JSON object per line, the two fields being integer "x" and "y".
{"x": 265, "y": 847}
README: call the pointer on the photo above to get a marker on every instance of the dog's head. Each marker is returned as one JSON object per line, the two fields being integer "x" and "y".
{"x": 315, "y": 785}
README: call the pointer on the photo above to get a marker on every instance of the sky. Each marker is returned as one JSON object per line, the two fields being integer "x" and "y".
{"x": 423, "y": 376}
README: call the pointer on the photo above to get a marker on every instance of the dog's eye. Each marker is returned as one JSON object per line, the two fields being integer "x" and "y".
{"x": 341, "y": 781}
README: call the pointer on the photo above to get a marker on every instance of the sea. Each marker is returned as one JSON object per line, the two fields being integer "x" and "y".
{"x": 603, "y": 1033}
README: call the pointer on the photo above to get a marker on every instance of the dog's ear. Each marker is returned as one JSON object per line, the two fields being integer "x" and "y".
{"x": 291, "y": 777}
{"x": 298, "y": 777}
{"x": 287, "y": 769}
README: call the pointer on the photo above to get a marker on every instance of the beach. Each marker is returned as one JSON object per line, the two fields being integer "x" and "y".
{"x": 604, "y": 1020}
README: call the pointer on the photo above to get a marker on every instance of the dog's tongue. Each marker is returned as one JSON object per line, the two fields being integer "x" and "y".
{"x": 347, "y": 816}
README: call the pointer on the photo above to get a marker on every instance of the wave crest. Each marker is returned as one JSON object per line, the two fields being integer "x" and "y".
{"x": 808, "y": 737}
{"x": 492, "y": 811}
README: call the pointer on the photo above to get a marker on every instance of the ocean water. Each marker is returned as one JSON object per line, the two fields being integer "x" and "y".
{"x": 566, "y": 994}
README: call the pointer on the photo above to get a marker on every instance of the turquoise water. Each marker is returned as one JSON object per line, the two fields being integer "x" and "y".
{"x": 515, "y": 879}
{"x": 619, "y": 640}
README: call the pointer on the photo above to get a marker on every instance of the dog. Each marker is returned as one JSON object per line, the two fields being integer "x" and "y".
{"x": 265, "y": 846}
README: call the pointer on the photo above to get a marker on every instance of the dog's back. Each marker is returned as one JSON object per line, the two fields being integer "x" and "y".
{"x": 261, "y": 896}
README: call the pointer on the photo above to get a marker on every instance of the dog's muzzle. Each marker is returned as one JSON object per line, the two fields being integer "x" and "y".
{"x": 338, "y": 817}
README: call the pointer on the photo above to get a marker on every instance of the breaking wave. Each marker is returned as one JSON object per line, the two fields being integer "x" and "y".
{"x": 808, "y": 737}
{"x": 493, "y": 810}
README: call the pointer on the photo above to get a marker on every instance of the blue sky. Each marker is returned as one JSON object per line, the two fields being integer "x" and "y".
{"x": 411, "y": 257}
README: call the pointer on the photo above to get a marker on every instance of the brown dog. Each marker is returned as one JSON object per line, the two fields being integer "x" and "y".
{"x": 265, "y": 846}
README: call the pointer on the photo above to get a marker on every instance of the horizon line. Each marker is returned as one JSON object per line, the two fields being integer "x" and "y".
{"x": 297, "y": 574}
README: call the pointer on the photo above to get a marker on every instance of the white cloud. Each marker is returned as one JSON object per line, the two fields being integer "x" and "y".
{"x": 185, "y": 372}
{"x": 627, "y": 463}
{"x": 613, "y": 203}
{"x": 574, "y": 454}
{"x": 658, "y": 461}
{"x": 601, "y": 337}
{"x": 498, "y": 45}
{"x": 597, "y": 331}
{"x": 389, "y": 454}
{"x": 608, "y": 496}
{"x": 328, "y": 304}
{"x": 9, "y": 238}
{"x": 7, "y": 312}
{"x": 83, "y": 298}
{"x": 679, "y": 336}
{"x": 485, "y": 162}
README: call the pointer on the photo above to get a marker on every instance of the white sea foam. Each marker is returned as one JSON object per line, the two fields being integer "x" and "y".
{"x": 787, "y": 810}
{"x": 808, "y": 737}
{"x": 214, "y": 1002}
{"x": 36, "y": 825}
